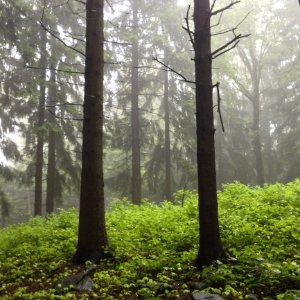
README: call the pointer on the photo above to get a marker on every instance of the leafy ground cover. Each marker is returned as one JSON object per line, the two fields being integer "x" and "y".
{"x": 154, "y": 247}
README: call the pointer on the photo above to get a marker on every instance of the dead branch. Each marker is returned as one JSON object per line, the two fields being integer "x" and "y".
{"x": 224, "y": 8}
{"x": 213, "y": 5}
{"x": 65, "y": 104}
{"x": 187, "y": 28}
{"x": 118, "y": 43}
{"x": 57, "y": 70}
{"x": 219, "y": 105}
{"x": 231, "y": 44}
{"x": 59, "y": 39}
{"x": 219, "y": 21}
{"x": 63, "y": 118}
{"x": 168, "y": 68}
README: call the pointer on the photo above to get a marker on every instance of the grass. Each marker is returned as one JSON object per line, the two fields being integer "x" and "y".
{"x": 154, "y": 247}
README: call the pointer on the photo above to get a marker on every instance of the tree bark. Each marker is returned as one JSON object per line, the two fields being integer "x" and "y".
{"x": 51, "y": 147}
{"x": 40, "y": 132}
{"x": 92, "y": 237}
{"x": 210, "y": 244}
{"x": 136, "y": 182}
{"x": 168, "y": 192}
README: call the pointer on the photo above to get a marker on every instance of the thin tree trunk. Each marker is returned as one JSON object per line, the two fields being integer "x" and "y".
{"x": 92, "y": 237}
{"x": 256, "y": 121}
{"x": 255, "y": 69}
{"x": 136, "y": 182}
{"x": 210, "y": 244}
{"x": 220, "y": 158}
{"x": 257, "y": 143}
{"x": 269, "y": 158}
{"x": 168, "y": 192}
{"x": 51, "y": 146}
{"x": 40, "y": 133}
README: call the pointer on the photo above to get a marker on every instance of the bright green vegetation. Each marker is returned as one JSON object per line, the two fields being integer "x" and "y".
{"x": 154, "y": 247}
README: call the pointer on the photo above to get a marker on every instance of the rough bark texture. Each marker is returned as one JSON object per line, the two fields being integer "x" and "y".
{"x": 168, "y": 192}
{"x": 210, "y": 243}
{"x": 136, "y": 182}
{"x": 40, "y": 134}
{"x": 50, "y": 195}
{"x": 92, "y": 238}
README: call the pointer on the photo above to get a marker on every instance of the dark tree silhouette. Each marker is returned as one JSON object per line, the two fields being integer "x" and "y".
{"x": 136, "y": 181}
{"x": 210, "y": 243}
{"x": 92, "y": 238}
{"x": 40, "y": 132}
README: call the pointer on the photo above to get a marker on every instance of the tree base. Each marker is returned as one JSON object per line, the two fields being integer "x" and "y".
{"x": 207, "y": 259}
{"x": 82, "y": 256}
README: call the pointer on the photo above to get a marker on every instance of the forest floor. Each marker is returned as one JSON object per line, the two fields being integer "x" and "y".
{"x": 154, "y": 247}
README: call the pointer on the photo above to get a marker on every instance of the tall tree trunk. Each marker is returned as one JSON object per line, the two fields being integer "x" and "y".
{"x": 254, "y": 67}
{"x": 210, "y": 244}
{"x": 271, "y": 163}
{"x": 257, "y": 142}
{"x": 256, "y": 120}
{"x": 168, "y": 192}
{"x": 51, "y": 146}
{"x": 40, "y": 132}
{"x": 92, "y": 238}
{"x": 136, "y": 182}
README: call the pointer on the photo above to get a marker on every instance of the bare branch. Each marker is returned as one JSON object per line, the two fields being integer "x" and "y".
{"x": 225, "y": 48}
{"x": 63, "y": 118}
{"x": 118, "y": 43}
{"x": 82, "y": 2}
{"x": 110, "y": 5}
{"x": 224, "y": 8}
{"x": 57, "y": 70}
{"x": 65, "y": 104}
{"x": 219, "y": 21}
{"x": 213, "y": 5}
{"x": 187, "y": 28}
{"x": 59, "y": 39}
{"x": 172, "y": 70}
{"x": 219, "y": 105}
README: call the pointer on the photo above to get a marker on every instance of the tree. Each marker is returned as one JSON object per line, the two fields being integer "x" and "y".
{"x": 168, "y": 190}
{"x": 51, "y": 170}
{"x": 136, "y": 181}
{"x": 210, "y": 243}
{"x": 92, "y": 238}
{"x": 40, "y": 129}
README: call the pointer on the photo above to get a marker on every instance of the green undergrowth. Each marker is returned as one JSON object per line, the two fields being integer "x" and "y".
{"x": 154, "y": 247}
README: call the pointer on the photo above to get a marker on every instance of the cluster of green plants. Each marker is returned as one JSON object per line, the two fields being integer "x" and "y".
{"x": 154, "y": 247}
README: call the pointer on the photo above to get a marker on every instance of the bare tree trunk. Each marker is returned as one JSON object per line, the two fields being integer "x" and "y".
{"x": 51, "y": 146}
{"x": 40, "y": 132}
{"x": 271, "y": 163}
{"x": 168, "y": 192}
{"x": 220, "y": 159}
{"x": 254, "y": 68}
{"x": 210, "y": 244}
{"x": 92, "y": 237}
{"x": 257, "y": 143}
{"x": 136, "y": 182}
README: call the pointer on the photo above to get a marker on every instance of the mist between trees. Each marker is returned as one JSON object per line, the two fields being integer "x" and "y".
{"x": 149, "y": 80}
